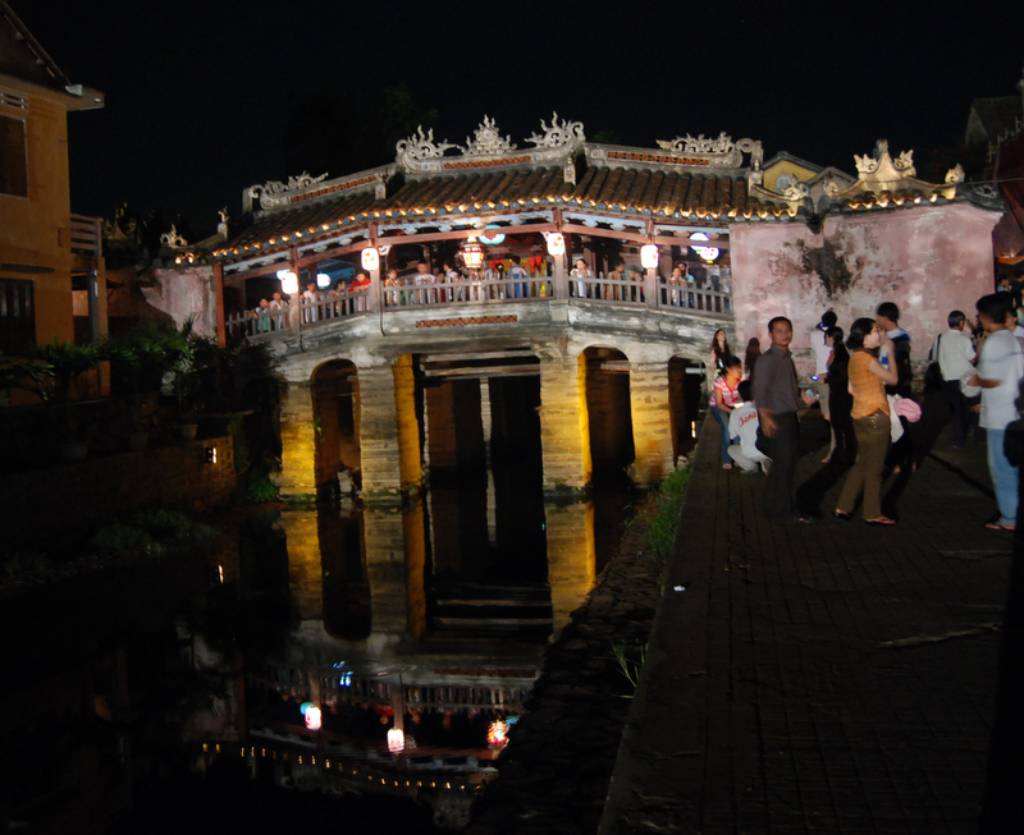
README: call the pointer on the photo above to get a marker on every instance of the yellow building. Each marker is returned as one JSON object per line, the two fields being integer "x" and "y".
{"x": 45, "y": 251}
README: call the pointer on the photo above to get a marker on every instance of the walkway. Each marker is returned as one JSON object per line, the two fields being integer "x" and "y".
{"x": 828, "y": 678}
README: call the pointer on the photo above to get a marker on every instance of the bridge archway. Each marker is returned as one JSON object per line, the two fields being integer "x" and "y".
{"x": 609, "y": 410}
{"x": 336, "y": 418}
{"x": 685, "y": 378}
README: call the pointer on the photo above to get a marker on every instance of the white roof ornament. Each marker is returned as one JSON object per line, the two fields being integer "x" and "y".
{"x": 882, "y": 168}
{"x": 487, "y": 140}
{"x": 274, "y": 193}
{"x": 421, "y": 146}
{"x": 723, "y": 144}
{"x": 173, "y": 239}
{"x": 955, "y": 174}
{"x": 558, "y": 135}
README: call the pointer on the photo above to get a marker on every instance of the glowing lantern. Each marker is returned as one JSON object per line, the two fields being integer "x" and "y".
{"x": 497, "y": 733}
{"x": 708, "y": 253}
{"x": 494, "y": 238}
{"x": 289, "y": 282}
{"x": 473, "y": 254}
{"x": 396, "y": 740}
{"x": 371, "y": 258}
{"x": 556, "y": 243}
{"x": 649, "y": 256}
{"x": 314, "y": 718}
{"x": 323, "y": 281}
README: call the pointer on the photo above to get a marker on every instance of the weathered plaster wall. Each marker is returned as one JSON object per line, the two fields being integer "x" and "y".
{"x": 929, "y": 260}
{"x": 184, "y": 292}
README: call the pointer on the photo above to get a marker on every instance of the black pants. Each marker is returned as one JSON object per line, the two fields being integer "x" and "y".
{"x": 784, "y": 450}
{"x": 960, "y": 409}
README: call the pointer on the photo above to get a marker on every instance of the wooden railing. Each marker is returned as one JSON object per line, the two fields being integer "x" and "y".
{"x": 328, "y": 307}
{"x": 86, "y": 235}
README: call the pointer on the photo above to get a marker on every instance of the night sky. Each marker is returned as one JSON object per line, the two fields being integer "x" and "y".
{"x": 204, "y": 99}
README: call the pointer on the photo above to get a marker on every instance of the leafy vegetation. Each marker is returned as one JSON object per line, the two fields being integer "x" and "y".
{"x": 662, "y": 526}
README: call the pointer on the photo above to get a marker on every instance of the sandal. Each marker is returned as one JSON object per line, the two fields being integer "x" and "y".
{"x": 842, "y": 514}
{"x": 999, "y": 526}
{"x": 881, "y": 521}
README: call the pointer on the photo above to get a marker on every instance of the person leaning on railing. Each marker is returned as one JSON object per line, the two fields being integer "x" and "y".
{"x": 392, "y": 289}
{"x": 580, "y": 273}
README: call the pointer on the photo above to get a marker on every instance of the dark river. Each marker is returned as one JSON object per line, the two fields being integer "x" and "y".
{"x": 353, "y": 667}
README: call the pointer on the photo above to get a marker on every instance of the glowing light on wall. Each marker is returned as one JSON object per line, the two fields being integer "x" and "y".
{"x": 472, "y": 254}
{"x": 323, "y": 281}
{"x": 493, "y": 239}
{"x": 289, "y": 282}
{"x": 649, "y": 256}
{"x": 556, "y": 243}
{"x": 396, "y": 740}
{"x": 497, "y": 733}
{"x": 708, "y": 253}
{"x": 371, "y": 258}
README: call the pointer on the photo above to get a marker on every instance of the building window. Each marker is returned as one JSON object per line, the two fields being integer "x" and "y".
{"x": 17, "y": 315}
{"x": 13, "y": 166}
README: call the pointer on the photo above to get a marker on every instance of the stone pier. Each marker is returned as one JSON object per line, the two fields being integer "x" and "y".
{"x": 652, "y": 420}
{"x": 297, "y": 478}
{"x": 389, "y": 438}
{"x": 571, "y": 558}
{"x": 564, "y": 431}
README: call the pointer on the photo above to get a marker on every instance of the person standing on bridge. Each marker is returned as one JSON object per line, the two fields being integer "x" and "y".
{"x": 778, "y": 400}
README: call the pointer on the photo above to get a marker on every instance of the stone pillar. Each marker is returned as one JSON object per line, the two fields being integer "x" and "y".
{"x": 571, "y": 557}
{"x": 487, "y": 422}
{"x": 652, "y": 420}
{"x": 384, "y": 537}
{"x": 297, "y": 478}
{"x": 388, "y": 438}
{"x": 565, "y": 441}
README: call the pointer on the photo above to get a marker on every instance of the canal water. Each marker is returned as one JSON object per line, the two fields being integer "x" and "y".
{"x": 318, "y": 665}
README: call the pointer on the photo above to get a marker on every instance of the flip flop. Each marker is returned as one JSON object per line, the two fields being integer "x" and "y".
{"x": 999, "y": 526}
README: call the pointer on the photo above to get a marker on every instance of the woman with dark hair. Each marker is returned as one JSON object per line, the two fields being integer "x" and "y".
{"x": 871, "y": 423}
{"x": 726, "y": 396}
{"x": 844, "y": 445}
{"x": 716, "y": 359}
{"x": 751, "y": 357}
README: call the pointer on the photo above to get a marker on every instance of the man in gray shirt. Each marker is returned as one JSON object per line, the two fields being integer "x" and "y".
{"x": 777, "y": 397}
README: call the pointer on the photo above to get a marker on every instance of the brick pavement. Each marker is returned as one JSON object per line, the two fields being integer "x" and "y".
{"x": 830, "y": 678}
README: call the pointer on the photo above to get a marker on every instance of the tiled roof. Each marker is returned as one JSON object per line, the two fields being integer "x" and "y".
{"x": 623, "y": 190}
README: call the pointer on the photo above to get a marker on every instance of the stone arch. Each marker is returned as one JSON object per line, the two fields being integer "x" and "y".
{"x": 336, "y": 417}
{"x": 609, "y": 409}
{"x": 685, "y": 381}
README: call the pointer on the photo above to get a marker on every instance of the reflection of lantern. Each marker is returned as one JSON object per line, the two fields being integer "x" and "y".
{"x": 396, "y": 740}
{"x": 708, "y": 253}
{"x": 649, "y": 256}
{"x": 313, "y": 715}
{"x": 556, "y": 243}
{"x": 289, "y": 282}
{"x": 472, "y": 254}
{"x": 323, "y": 281}
{"x": 371, "y": 258}
{"x": 497, "y": 733}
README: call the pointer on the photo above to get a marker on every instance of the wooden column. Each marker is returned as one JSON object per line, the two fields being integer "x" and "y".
{"x": 560, "y": 276}
{"x": 218, "y": 301}
{"x": 651, "y": 287}
{"x": 652, "y": 421}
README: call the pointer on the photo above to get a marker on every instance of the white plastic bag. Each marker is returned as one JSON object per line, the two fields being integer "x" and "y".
{"x": 895, "y": 427}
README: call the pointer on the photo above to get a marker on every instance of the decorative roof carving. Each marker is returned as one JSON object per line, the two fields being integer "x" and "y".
{"x": 955, "y": 174}
{"x": 274, "y": 193}
{"x": 173, "y": 239}
{"x": 421, "y": 146}
{"x": 882, "y": 167}
{"x": 558, "y": 135}
{"x": 722, "y": 144}
{"x": 487, "y": 141}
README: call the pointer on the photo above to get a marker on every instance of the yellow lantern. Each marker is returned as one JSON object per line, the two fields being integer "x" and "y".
{"x": 289, "y": 282}
{"x": 473, "y": 254}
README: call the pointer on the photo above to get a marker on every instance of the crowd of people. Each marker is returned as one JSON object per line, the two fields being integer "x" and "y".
{"x": 864, "y": 385}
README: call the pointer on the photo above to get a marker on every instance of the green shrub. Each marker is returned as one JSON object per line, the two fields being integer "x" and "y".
{"x": 661, "y": 529}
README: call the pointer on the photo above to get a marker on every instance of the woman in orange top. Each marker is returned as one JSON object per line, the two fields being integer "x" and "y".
{"x": 871, "y": 424}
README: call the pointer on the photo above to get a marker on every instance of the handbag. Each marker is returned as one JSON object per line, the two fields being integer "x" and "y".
{"x": 933, "y": 373}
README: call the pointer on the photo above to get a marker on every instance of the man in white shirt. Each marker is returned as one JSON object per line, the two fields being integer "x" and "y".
{"x": 425, "y": 280}
{"x": 1000, "y": 370}
{"x": 743, "y": 427}
{"x": 954, "y": 352}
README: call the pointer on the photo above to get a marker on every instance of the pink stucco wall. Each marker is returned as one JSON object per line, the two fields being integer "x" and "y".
{"x": 929, "y": 260}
